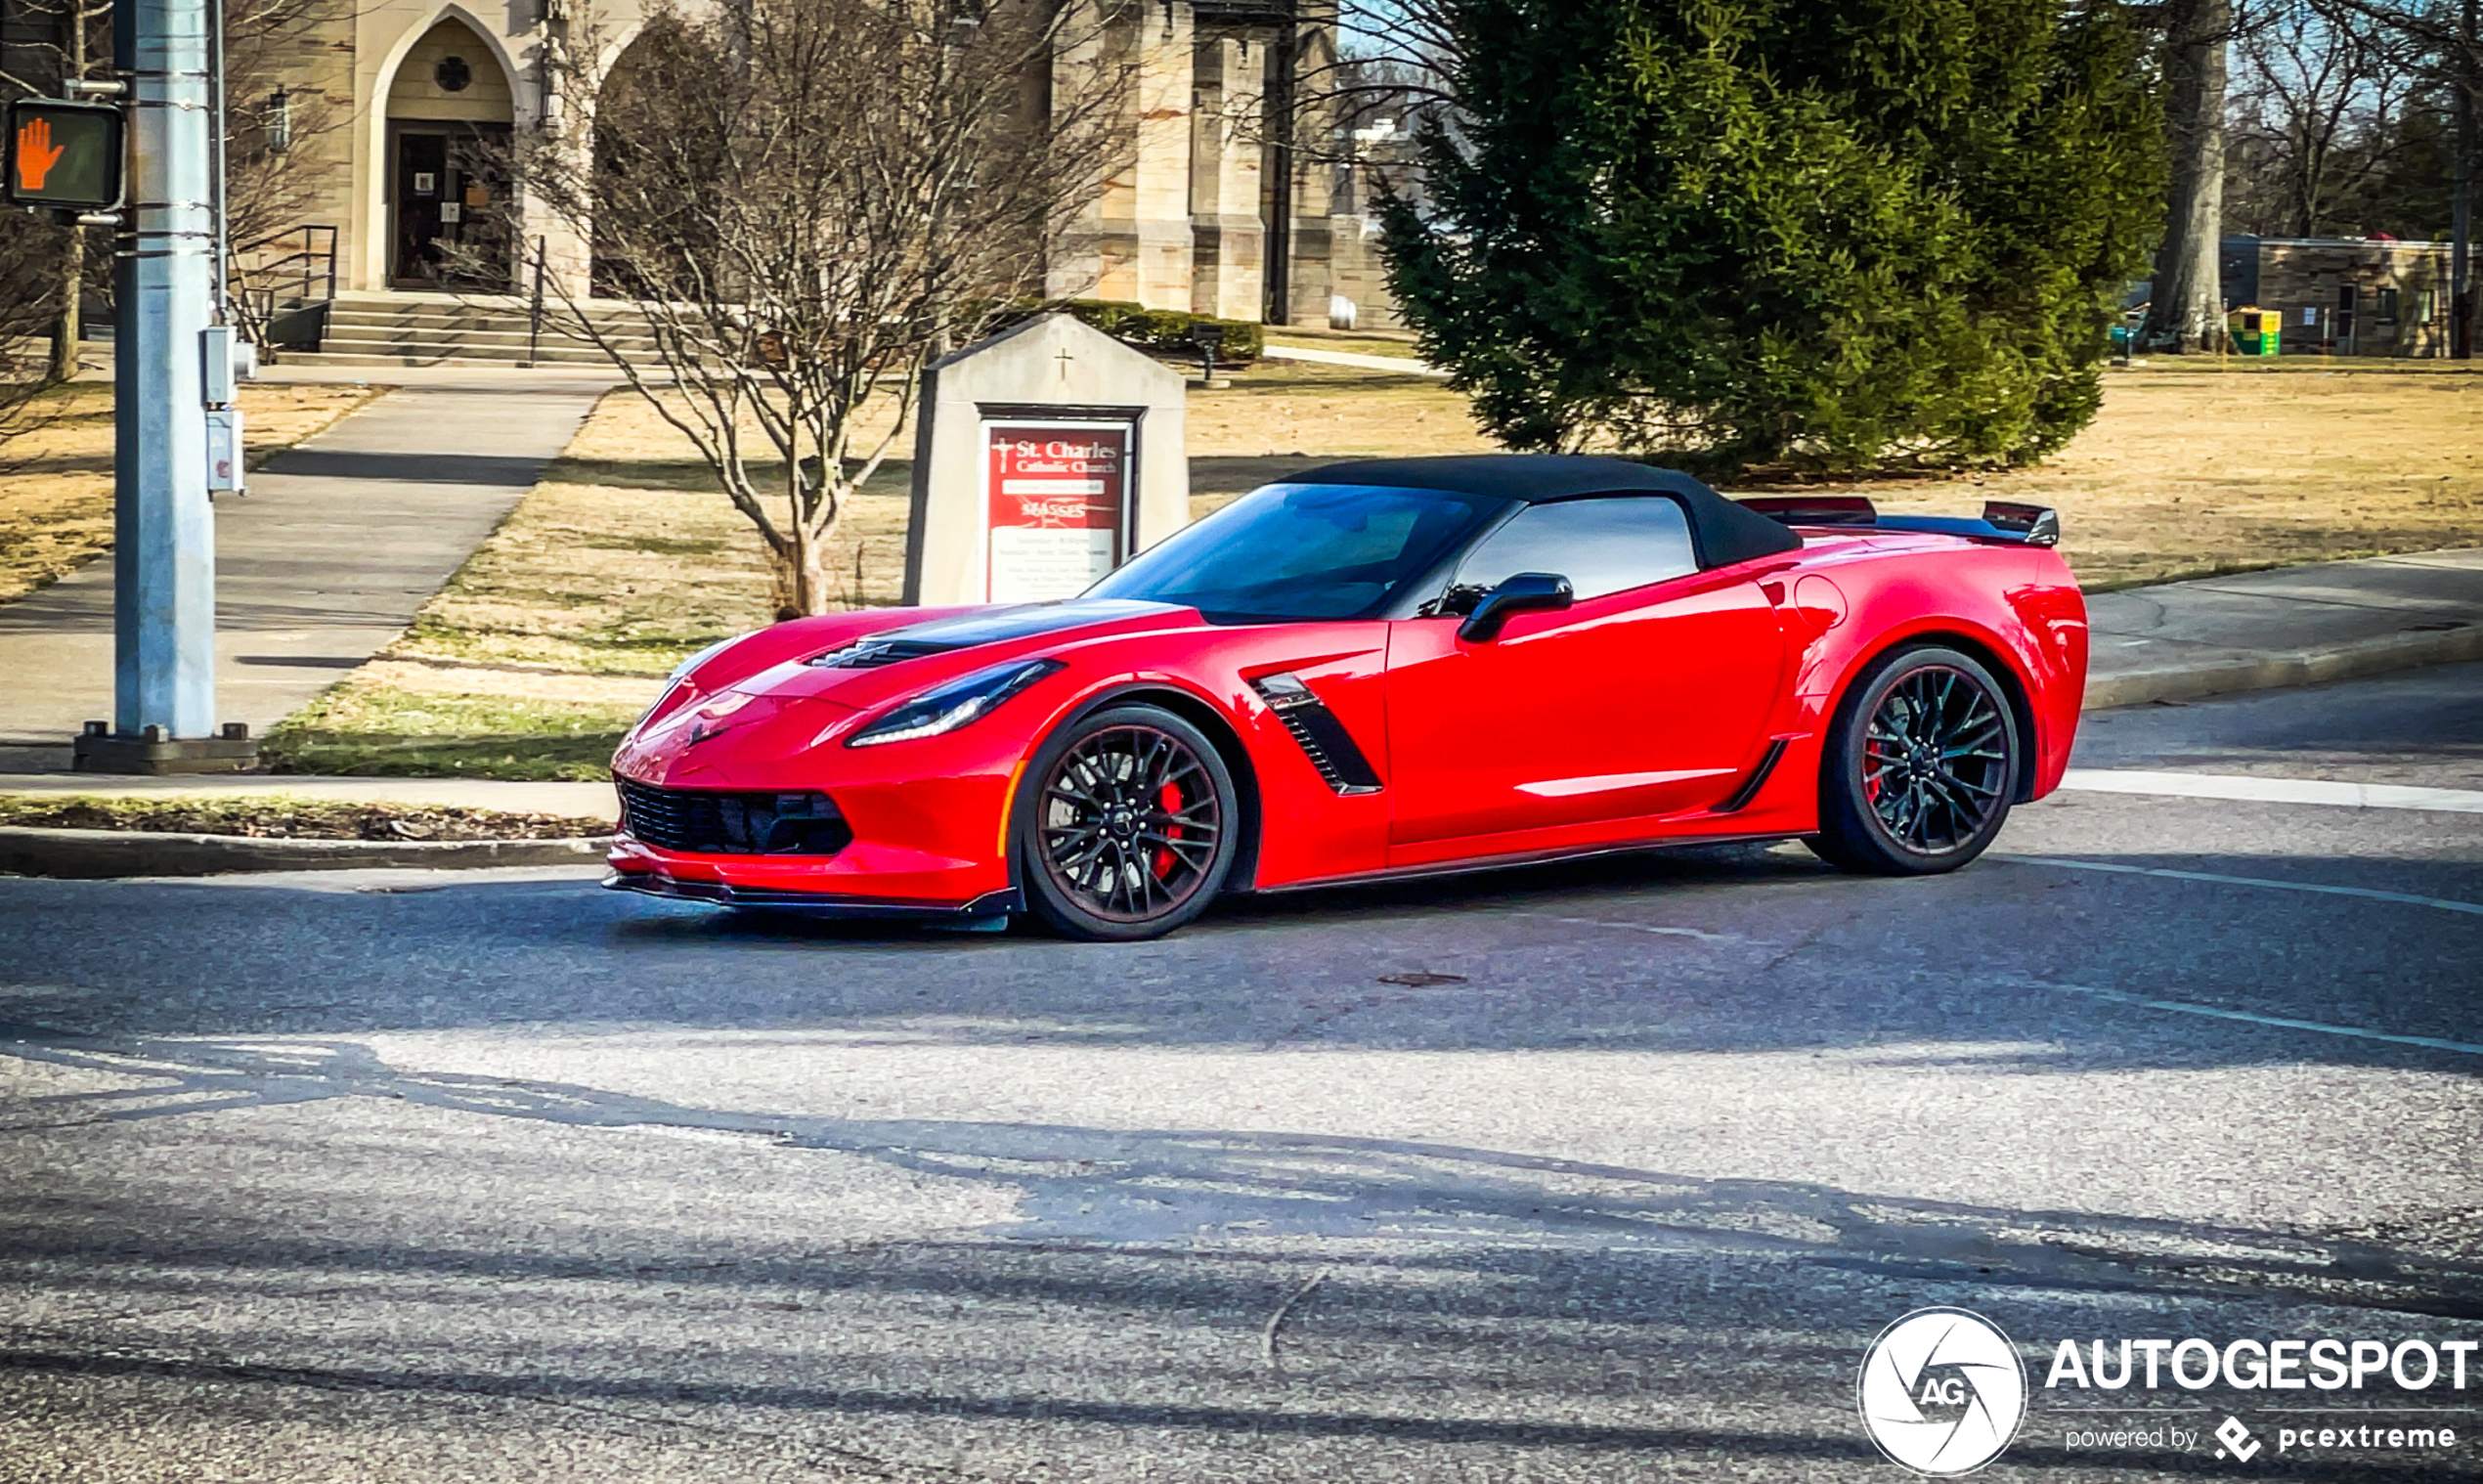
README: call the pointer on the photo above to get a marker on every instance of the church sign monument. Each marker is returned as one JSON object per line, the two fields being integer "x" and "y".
{"x": 1044, "y": 456}
{"x": 1060, "y": 506}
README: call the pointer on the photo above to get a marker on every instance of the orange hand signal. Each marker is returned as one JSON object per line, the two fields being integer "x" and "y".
{"x": 36, "y": 154}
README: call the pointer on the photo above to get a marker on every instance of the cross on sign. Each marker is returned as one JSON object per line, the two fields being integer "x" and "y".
{"x": 1065, "y": 358}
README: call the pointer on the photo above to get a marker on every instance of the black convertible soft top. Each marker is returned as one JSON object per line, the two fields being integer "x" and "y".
{"x": 1721, "y": 532}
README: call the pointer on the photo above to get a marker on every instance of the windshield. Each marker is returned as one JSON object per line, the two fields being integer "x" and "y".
{"x": 1303, "y": 552}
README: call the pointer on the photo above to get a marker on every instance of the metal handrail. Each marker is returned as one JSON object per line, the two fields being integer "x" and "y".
{"x": 535, "y": 314}
{"x": 311, "y": 258}
{"x": 256, "y": 289}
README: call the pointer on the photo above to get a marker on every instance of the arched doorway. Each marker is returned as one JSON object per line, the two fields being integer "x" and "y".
{"x": 448, "y": 207}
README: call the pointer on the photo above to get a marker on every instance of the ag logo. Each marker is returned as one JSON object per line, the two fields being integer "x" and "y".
{"x": 1942, "y": 1391}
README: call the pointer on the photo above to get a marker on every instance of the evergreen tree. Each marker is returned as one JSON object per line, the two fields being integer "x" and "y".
{"x": 1727, "y": 232}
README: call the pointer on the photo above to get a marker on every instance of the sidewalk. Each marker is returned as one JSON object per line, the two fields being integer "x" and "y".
{"x": 2293, "y": 626}
{"x": 342, "y": 539}
{"x": 583, "y": 801}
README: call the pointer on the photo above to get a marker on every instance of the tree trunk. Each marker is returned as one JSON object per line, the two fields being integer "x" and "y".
{"x": 73, "y": 251}
{"x": 798, "y": 578}
{"x": 72, "y": 289}
{"x": 2187, "y": 310}
{"x": 798, "y": 565}
{"x": 2461, "y": 205}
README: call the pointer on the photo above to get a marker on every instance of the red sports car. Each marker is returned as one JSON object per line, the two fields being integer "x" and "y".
{"x": 1378, "y": 669}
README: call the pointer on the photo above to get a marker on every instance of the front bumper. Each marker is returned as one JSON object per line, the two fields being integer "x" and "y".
{"x": 927, "y": 818}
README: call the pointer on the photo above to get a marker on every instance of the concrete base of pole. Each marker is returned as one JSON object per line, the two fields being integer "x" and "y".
{"x": 99, "y": 751}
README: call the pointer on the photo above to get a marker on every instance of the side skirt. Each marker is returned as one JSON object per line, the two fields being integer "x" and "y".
{"x": 1521, "y": 858}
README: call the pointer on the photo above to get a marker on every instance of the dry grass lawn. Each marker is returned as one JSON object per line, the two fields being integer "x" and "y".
{"x": 56, "y": 481}
{"x": 628, "y": 556}
{"x": 2194, "y": 469}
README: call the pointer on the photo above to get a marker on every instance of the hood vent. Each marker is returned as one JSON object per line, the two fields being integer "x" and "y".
{"x": 871, "y": 654}
{"x": 984, "y": 625}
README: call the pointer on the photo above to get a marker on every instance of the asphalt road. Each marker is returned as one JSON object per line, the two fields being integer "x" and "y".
{"x": 1609, "y": 1172}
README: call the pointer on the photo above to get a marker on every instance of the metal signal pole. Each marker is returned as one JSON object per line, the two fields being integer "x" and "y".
{"x": 163, "y": 556}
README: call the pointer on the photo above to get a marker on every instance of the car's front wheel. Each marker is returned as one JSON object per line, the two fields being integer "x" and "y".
{"x": 1921, "y": 763}
{"x": 1125, "y": 825}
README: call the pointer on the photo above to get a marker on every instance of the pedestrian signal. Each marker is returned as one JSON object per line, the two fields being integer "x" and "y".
{"x": 66, "y": 156}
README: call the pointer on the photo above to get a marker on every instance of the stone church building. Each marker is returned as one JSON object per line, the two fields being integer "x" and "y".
{"x": 1204, "y": 216}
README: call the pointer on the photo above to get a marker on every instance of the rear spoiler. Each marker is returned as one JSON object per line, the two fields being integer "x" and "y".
{"x": 2002, "y": 520}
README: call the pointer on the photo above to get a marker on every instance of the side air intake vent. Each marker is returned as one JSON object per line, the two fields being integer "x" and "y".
{"x": 1322, "y": 737}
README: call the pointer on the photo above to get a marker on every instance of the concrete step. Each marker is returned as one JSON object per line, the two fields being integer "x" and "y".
{"x": 455, "y": 329}
{"x": 507, "y": 335}
{"x": 365, "y": 335}
{"x": 452, "y": 311}
{"x": 362, "y": 315}
{"x": 353, "y": 358}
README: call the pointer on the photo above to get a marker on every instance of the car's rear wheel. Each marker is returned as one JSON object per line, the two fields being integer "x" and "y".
{"x": 1125, "y": 825}
{"x": 1920, "y": 766}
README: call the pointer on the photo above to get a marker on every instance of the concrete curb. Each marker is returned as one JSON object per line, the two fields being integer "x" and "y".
{"x": 99, "y": 854}
{"x": 2406, "y": 650}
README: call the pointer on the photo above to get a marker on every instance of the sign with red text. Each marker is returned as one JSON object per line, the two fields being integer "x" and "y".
{"x": 1058, "y": 502}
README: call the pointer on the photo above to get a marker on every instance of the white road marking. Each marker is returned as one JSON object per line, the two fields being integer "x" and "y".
{"x": 2369, "y": 893}
{"x": 2257, "y": 790}
{"x": 2282, "y": 1023}
{"x": 1402, "y": 366}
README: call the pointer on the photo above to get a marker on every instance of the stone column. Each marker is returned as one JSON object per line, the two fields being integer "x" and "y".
{"x": 1229, "y": 237}
{"x": 1311, "y": 278}
{"x": 567, "y": 252}
{"x": 1134, "y": 243}
{"x": 1078, "y": 265}
{"x": 1160, "y": 199}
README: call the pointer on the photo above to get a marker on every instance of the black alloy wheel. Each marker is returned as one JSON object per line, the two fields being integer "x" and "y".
{"x": 1125, "y": 826}
{"x": 1920, "y": 768}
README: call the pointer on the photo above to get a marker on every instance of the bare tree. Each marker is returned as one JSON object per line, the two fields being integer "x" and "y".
{"x": 1384, "y": 73}
{"x": 55, "y": 40}
{"x": 2187, "y": 309}
{"x": 807, "y": 201}
{"x": 2315, "y": 116}
{"x": 1401, "y": 57}
{"x": 287, "y": 95}
{"x": 30, "y": 295}
{"x": 2446, "y": 37}
{"x": 282, "y": 72}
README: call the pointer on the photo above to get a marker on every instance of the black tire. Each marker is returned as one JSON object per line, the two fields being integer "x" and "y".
{"x": 1125, "y": 826}
{"x": 1921, "y": 764}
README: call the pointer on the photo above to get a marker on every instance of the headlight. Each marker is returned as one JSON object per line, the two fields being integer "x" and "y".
{"x": 953, "y": 705}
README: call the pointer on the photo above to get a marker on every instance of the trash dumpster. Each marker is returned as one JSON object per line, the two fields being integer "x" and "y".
{"x": 2257, "y": 331}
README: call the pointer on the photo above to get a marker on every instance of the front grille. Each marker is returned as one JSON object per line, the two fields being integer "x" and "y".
{"x": 871, "y": 654}
{"x": 732, "y": 822}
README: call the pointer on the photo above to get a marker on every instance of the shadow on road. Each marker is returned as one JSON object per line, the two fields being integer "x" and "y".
{"x": 1163, "y": 1187}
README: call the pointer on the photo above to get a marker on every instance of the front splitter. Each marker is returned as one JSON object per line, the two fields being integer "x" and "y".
{"x": 814, "y": 904}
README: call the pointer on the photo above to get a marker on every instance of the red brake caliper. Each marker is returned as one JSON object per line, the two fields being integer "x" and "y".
{"x": 1170, "y": 799}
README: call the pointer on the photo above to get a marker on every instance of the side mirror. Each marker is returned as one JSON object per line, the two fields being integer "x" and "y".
{"x": 1526, "y": 593}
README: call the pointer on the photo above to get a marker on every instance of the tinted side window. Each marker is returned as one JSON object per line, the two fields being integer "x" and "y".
{"x": 1605, "y": 544}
